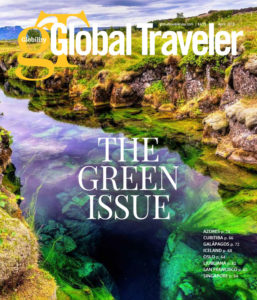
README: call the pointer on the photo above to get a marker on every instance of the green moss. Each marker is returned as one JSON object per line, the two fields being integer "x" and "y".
{"x": 190, "y": 154}
{"x": 150, "y": 61}
{"x": 25, "y": 88}
{"x": 156, "y": 86}
{"x": 214, "y": 215}
{"x": 10, "y": 181}
{"x": 5, "y": 133}
{"x": 11, "y": 73}
{"x": 227, "y": 72}
{"x": 193, "y": 60}
{"x": 89, "y": 84}
{"x": 49, "y": 55}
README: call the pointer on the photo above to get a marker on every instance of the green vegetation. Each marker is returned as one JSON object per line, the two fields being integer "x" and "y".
{"x": 5, "y": 133}
{"x": 49, "y": 55}
{"x": 87, "y": 88}
{"x": 151, "y": 61}
{"x": 11, "y": 73}
{"x": 216, "y": 61}
{"x": 155, "y": 87}
{"x": 157, "y": 93}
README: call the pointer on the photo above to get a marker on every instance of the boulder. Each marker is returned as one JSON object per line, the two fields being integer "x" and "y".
{"x": 242, "y": 137}
{"x": 209, "y": 103}
{"x": 95, "y": 62}
{"x": 56, "y": 83}
{"x": 244, "y": 114}
{"x": 18, "y": 249}
{"x": 217, "y": 120}
{"x": 146, "y": 78}
{"x": 225, "y": 147}
{"x": 168, "y": 107}
{"x": 251, "y": 117}
{"x": 244, "y": 158}
{"x": 229, "y": 97}
{"x": 102, "y": 75}
{"x": 102, "y": 93}
{"x": 122, "y": 96}
{"x": 215, "y": 128}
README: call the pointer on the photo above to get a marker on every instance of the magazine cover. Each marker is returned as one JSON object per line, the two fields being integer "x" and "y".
{"x": 128, "y": 150}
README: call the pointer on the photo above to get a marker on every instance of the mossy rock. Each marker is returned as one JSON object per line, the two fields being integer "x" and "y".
{"x": 244, "y": 112}
{"x": 217, "y": 120}
{"x": 18, "y": 249}
{"x": 169, "y": 107}
{"x": 225, "y": 147}
{"x": 37, "y": 284}
{"x": 8, "y": 201}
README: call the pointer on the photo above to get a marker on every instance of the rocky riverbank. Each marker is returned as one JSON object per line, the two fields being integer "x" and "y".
{"x": 20, "y": 276}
